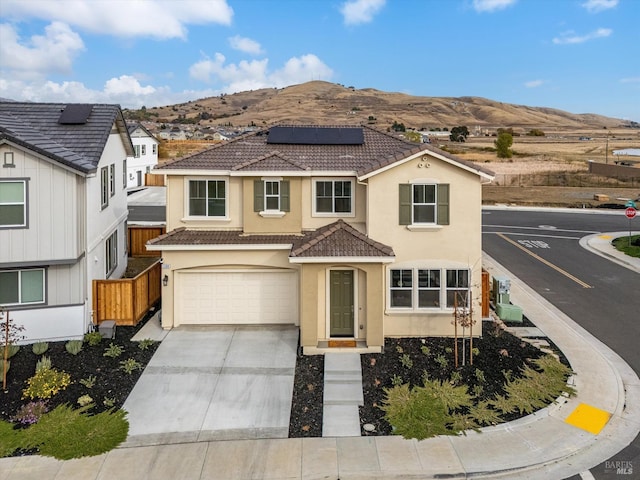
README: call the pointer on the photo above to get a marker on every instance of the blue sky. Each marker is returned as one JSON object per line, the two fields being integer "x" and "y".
{"x": 575, "y": 55}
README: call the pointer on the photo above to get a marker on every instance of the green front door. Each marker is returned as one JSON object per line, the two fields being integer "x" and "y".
{"x": 341, "y": 301}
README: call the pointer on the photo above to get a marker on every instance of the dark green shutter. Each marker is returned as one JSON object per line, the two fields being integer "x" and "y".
{"x": 443, "y": 204}
{"x": 405, "y": 204}
{"x": 258, "y": 195}
{"x": 284, "y": 195}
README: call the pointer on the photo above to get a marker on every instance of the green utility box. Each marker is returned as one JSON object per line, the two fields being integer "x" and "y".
{"x": 509, "y": 313}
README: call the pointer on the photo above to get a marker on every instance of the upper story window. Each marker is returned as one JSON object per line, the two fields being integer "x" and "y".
{"x": 111, "y": 253}
{"x": 424, "y": 204}
{"x": 104, "y": 187}
{"x": 124, "y": 173}
{"x": 22, "y": 287}
{"x": 271, "y": 195}
{"x": 333, "y": 197}
{"x": 207, "y": 198}
{"x": 413, "y": 289}
{"x": 154, "y": 148}
{"x": 143, "y": 149}
{"x": 13, "y": 203}
{"x": 112, "y": 179}
{"x": 136, "y": 149}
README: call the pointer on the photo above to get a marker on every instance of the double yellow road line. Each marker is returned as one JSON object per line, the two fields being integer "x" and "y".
{"x": 546, "y": 262}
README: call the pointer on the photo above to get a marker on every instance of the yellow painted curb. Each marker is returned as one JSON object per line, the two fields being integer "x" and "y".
{"x": 605, "y": 237}
{"x": 588, "y": 418}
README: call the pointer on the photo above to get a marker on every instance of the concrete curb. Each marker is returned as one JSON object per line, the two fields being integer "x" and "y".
{"x": 608, "y": 251}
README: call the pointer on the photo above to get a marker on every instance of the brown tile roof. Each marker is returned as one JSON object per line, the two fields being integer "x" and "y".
{"x": 338, "y": 239}
{"x": 252, "y": 152}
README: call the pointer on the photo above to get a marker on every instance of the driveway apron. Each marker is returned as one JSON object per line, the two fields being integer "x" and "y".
{"x": 215, "y": 383}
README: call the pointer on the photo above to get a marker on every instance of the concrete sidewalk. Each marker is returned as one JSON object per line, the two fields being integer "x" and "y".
{"x": 539, "y": 446}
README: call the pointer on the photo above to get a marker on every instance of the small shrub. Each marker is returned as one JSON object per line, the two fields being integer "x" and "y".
{"x": 88, "y": 382}
{"x": 46, "y": 383}
{"x": 109, "y": 402}
{"x": 406, "y": 361}
{"x": 30, "y": 413}
{"x": 85, "y": 400}
{"x": 65, "y": 433}
{"x": 43, "y": 364}
{"x": 479, "y": 374}
{"x": 145, "y": 343}
{"x": 475, "y": 351}
{"x": 114, "y": 351}
{"x": 425, "y": 350}
{"x": 130, "y": 365}
{"x": 448, "y": 350}
{"x": 73, "y": 346}
{"x": 93, "y": 338}
{"x": 396, "y": 380}
{"x": 442, "y": 361}
{"x": 399, "y": 349}
{"x": 456, "y": 378}
{"x": 40, "y": 347}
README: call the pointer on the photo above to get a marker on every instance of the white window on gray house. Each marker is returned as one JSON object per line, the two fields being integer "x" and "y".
{"x": 13, "y": 203}
{"x": 111, "y": 253}
{"x": 136, "y": 149}
{"x": 334, "y": 196}
{"x": 143, "y": 149}
{"x": 22, "y": 287}
{"x": 104, "y": 187}
{"x": 154, "y": 149}
{"x": 207, "y": 198}
{"x": 112, "y": 179}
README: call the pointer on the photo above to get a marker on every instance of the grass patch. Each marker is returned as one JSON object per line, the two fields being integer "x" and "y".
{"x": 628, "y": 246}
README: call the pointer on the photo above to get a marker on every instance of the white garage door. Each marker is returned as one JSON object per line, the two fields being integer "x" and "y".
{"x": 250, "y": 297}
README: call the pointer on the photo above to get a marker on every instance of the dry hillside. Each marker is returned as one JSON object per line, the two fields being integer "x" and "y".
{"x": 325, "y": 103}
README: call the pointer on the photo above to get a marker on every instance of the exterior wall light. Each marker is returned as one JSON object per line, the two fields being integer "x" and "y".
{"x": 165, "y": 280}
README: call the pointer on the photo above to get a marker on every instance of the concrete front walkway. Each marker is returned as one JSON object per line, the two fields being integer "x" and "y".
{"x": 215, "y": 383}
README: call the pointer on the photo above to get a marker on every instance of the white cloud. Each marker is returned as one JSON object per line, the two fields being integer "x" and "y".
{"x": 491, "y": 5}
{"x": 245, "y": 45}
{"x": 533, "y": 83}
{"x": 356, "y": 12}
{"x": 252, "y": 75}
{"x": 595, "y": 6}
{"x": 571, "y": 38}
{"x": 160, "y": 19}
{"x": 52, "y": 52}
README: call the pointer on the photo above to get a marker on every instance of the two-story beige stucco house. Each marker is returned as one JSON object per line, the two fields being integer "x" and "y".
{"x": 349, "y": 232}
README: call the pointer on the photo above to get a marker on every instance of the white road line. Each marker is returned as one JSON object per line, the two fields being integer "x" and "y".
{"x": 538, "y": 228}
{"x": 587, "y": 475}
{"x": 536, "y": 235}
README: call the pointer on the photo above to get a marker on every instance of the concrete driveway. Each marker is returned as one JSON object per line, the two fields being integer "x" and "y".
{"x": 215, "y": 383}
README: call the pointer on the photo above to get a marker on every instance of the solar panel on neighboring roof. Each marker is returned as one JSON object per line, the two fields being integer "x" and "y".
{"x": 316, "y": 135}
{"x": 75, "y": 114}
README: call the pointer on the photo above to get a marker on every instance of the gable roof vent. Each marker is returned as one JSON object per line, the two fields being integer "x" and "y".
{"x": 75, "y": 114}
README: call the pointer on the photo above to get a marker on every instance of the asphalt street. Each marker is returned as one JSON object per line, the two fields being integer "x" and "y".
{"x": 542, "y": 249}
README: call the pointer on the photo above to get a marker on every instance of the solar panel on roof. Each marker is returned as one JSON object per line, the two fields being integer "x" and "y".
{"x": 75, "y": 114}
{"x": 316, "y": 135}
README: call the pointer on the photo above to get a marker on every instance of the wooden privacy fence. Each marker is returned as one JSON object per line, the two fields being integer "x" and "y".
{"x": 137, "y": 238}
{"x": 153, "y": 180}
{"x": 486, "y": 287}
{"x": 126, "y": 300}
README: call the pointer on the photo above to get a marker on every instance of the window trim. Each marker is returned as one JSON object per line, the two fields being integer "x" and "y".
{"x": 111, "y": 253}
{"x": 44, "y": 287}
{"x": 143, "y": 150}
{"x": 187, "y": 198}
{"x": 112, "y": 179}
{"x": 136, "y": 151}
{"x": 406, "y": 205}
{"x": 333, "y": 213}
{"x": 24, "y": 203}
{"x": 260, "y": 197}
{"x": 415, "y": 289}
{"x": 104, "y": 187}
{"x": 124, "y": 174}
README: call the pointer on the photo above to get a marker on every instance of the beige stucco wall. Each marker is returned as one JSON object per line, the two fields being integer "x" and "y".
{"x": 290, "y": 222}
{"x": 313, "y": 302}
{"x": 457, "y": 245}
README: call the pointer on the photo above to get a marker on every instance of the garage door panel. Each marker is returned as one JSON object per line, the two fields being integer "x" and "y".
{"x": 237, "y": 297}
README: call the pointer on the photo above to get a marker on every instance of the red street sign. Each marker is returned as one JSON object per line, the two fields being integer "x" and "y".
{"x": 630, "y": 212}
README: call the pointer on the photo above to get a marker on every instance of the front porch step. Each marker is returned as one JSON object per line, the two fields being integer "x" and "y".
{"x": 342, "y": 395}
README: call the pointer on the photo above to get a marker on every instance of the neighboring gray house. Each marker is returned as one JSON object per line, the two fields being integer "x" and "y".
{"x": 63, "y": 211}
{"x": 145, "y": 156}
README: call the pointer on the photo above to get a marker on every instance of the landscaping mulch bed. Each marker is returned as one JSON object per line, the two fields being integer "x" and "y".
{"x": 498, "y": 353}
{"x": 111, "y": 382}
